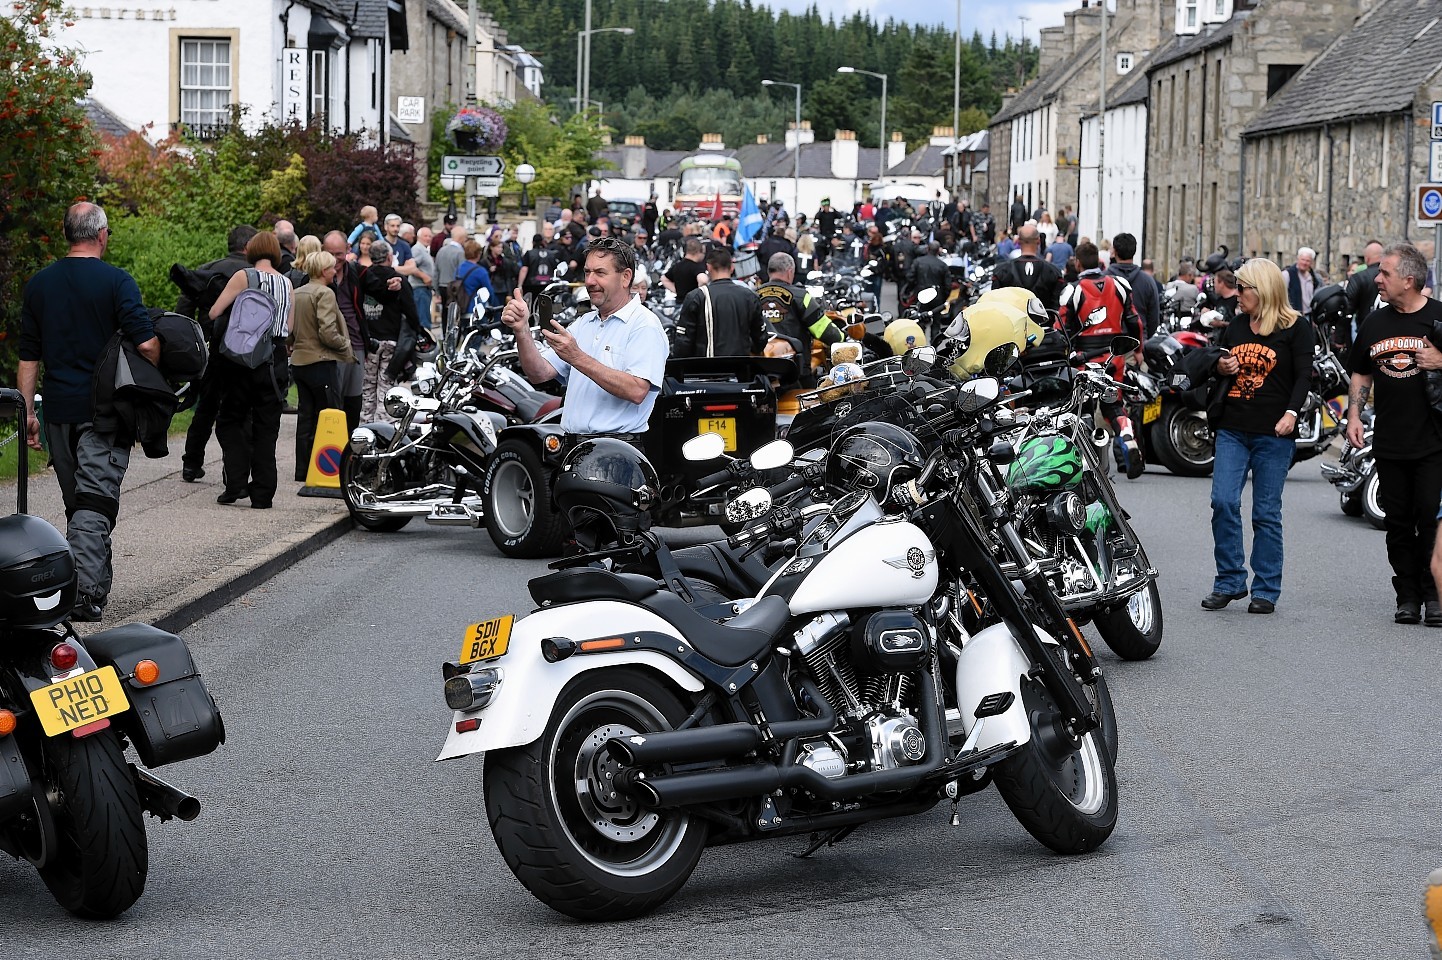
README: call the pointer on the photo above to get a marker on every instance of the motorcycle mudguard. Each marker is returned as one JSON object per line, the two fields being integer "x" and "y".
{"x": 529, "y": 687}
{"x": 14, "y": 780}
{"x": 385, "y": 433}
{"x": 538, "y": 435}
{"x": 992, "y": 662}
{"x": 174, "y": 718}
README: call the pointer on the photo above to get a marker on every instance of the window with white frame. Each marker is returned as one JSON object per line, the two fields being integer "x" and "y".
{"x": 1188, "y": 16}
{"x": 320, "y": 86}
{"x": 205, "y": 72}
{"x": 1125, "y": 63}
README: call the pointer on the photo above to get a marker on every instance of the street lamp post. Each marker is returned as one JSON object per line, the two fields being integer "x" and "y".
{"x": 796, "y": 168}
{"x": 881, "y": 174}
{"x": 583, "y": 58}
{"x": 525, "y": 173}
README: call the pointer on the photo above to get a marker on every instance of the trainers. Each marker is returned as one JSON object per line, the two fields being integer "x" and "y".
{"x": 86, "y": 610}
{"x": 1129, "y": 459}
{"x": 1216, "y": 601}
{"x": 1408, "y": 611}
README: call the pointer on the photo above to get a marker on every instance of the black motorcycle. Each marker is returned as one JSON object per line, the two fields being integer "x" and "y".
{"x": 70, "y": 802}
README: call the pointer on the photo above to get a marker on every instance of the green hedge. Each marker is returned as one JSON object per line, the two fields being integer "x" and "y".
{"x": 145, "y": 247}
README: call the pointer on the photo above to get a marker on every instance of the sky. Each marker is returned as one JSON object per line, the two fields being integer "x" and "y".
{"x": 984, "y": 15}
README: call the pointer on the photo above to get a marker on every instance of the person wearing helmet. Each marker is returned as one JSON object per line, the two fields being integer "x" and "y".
{"x": 875, "y": 456}
{"x": 612, "y": 360}
{"x": 605, "y": 489}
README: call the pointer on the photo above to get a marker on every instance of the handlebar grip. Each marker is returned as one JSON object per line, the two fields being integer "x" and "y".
{"x": 720, "y": 476}
{"x": 790, "y": 484}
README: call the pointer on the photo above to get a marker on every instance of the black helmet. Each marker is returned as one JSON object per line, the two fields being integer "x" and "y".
{"x": 1329, "y": 305}
{"x": 37, "y": 573}
{"x": 606, "y": 488}
{"x": 1216, "y": 261}
{"x": 874, "y": 455}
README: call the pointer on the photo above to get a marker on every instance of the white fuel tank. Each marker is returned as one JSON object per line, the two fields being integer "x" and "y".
{"x": 887, "y": 564}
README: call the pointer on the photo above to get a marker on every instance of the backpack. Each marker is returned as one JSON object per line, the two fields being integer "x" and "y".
{"x": 1098, "y": 306}
{"x": 248, "y": 340}
{"x": 456, "y": 289}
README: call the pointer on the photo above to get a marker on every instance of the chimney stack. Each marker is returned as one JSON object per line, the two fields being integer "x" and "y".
{"x": 712, "y": 141}
{"x": 845, "y": 155}
{"x": 896, "y": 149}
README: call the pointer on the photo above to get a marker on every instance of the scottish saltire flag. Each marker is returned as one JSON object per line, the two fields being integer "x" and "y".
{"x": 752, "y": 221}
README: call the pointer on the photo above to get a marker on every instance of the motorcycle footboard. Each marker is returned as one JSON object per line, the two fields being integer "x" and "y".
{"x": 174, "y": 717}
{"x": 15, "y": 789}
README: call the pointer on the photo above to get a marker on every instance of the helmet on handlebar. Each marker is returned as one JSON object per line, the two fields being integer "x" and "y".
{"x": 874, "y": 455}
{"x": 1329, "y": 305}
{"x": 606, "y": 488}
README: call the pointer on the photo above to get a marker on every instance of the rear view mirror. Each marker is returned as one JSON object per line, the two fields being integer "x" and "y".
{"x": 751, "y": 505}
{"x": 777, "y": 453}
{"x": 918, "y": 360}
{"x": 1124, "y": 345}
{"x": 976, "y": 394}
{"x": 928, "y": 296}
{"x": 708, "y": 446}
{"x": 560, "y": 270}
{"x": 483, "y": 295}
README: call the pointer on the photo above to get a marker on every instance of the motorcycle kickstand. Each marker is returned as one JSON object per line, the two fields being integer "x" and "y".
{"x": 829, "y": 839}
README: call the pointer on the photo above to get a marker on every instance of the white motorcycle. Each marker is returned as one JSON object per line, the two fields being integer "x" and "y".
{"x": 625, "y": 731}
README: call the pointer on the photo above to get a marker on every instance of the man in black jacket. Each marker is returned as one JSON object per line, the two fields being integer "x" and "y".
{"x": 1030, "y": 271}
{"x": 1144, "y": 292}
{"x": 1018, "y": 214}
{"x": 721, "y": 318}
{"x": 929, "y": 270}
{"x": 207, "y": 394}
{"x": 1362, "y": 291}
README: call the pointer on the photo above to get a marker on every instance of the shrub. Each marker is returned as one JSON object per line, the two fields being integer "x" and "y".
{"x": 146, "y": 246}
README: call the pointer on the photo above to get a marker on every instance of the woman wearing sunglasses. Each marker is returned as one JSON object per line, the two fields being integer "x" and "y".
{"x": 1270, "y": 356}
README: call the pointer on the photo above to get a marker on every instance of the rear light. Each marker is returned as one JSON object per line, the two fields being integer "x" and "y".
{"x": 556, "y": 649}
{"x": 64, "y": 657}
{"x": 147, "y": 672}
{"x": 718, "y": 407}
{"x": 7, "y": 723}
{"x": 472, "y": 691}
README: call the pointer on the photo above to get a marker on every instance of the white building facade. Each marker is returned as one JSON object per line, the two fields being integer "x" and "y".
{"x": 1033, "y": 156}
{"x": 191, "y": 62}
{"x": 1123, "y": 206}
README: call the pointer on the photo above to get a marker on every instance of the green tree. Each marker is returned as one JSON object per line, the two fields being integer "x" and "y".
{"x": 48, "y": 152}
{"x": 834, "y": 104}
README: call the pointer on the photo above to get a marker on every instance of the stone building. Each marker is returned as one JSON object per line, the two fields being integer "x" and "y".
{"x": 1206, "y": 86}
{"x": 1334, "y": 159}
{"x": 1035, "y": 139}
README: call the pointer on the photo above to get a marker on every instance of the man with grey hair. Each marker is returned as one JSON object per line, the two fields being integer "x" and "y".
{"x": 1303, "y": 281}
{"x": 1388, "y": 359}
{"x": 448, "y": 261}
{"x": 285, "y": 236}
{"x": 424, "y": 272}
{"x": 789, "y": 311}
{"x": 69, "y": 313}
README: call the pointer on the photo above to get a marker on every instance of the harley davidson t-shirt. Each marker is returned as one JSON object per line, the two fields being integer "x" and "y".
{"x": 1386, "y": 350}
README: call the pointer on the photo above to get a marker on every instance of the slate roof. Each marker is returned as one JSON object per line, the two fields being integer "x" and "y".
{"x": 449, "y": 14}
{"x": 102, "y": 119}
{"x": 1179, "y": 48}
{"x": 371, "y": 18}
{"x": 922, "y": 162}
{"x": 1044, "y": 89}
{"x": 330, "y": 8}
{"x": 1374, "y": 68}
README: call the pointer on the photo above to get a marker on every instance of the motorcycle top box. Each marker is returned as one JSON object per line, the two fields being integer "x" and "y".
{"x": 37, "y": 573}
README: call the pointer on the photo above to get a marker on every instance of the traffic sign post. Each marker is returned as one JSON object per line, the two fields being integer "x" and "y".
{"x": 473, "y": 166}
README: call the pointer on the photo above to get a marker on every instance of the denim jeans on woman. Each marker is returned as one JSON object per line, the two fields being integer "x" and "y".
{"x": 1267, "y": 459}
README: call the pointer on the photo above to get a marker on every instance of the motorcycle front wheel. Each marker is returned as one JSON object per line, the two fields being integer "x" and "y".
{"x": 579, "y": 845}
{"x": 1134, "y": 629}
{"x": 97, "y": 864}
{"x": 1372, "y": 502}
{"x": 1064, "y": 792}
{"x": 1183, "y": 441}
{"x": 361, "y": 473}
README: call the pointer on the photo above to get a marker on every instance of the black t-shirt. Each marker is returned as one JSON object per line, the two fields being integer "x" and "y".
{"x": 1038, "y": 276}
{"x": 539, "y": 266}
{"x": 683, "y": 274}
{"x": 1386, "y": 350}
{"x": 1275, "y": 375}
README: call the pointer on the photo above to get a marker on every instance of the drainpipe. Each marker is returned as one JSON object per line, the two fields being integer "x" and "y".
{"x": 1407, "y": 168}
{"x": 1202, "y": 164}
{"x": 1242, "y": 202}
{"x": 1327, "y": 132}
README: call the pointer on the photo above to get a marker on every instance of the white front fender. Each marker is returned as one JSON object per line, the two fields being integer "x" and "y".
{"x": 523, "y": 702}
{"x": 992, "y": 662}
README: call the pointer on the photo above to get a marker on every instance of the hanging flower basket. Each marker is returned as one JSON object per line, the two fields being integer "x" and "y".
{"x": 476, "y": 129}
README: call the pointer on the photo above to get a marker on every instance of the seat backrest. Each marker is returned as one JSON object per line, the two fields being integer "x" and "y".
{"x": 590, "y": 583}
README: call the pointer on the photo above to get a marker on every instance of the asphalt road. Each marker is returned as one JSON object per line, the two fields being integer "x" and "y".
{"x": 1280, "y": 794}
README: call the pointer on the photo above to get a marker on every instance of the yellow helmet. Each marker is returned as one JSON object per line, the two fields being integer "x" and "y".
{"x": 990, "y": 323}
{"x": 902, "y": 335}
{"x": 1024, "y": 300}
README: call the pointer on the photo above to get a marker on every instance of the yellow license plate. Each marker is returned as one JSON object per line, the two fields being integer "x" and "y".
{"x": 487, "y": 640}
{"x": 725, "y": 426}
{"x": 80, "y": 700}
{"x": 1152, "y": 411}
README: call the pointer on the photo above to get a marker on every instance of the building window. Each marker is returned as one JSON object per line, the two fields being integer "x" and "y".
{"x": 1188, "y": 17}
{"x": 204, "y": 84}
{"x": 319, "y": 86}
{"x": 1278, "y": 74}
{"x": 1124, "y": 63}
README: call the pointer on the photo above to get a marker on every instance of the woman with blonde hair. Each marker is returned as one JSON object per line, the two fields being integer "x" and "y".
{"x": 319, "y": 343}
{"x": 1047, "y": 228}
{"x": 1269, "y": 356}
{"x": 306, "y": 246}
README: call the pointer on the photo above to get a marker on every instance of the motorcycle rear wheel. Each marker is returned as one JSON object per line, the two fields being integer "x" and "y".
{"x": 580, "y": 848}
{"x": 354, "y": 473}
{"x": 1372, "y": 503}
{"x": 520, "y": 515}
{"x": 1351, "y": 504}
{"x": 1183, "y": 441}
{"x": 1134, "y": 629}
{"x": 1063, "y": 793}
{"x": 98, "y": 865}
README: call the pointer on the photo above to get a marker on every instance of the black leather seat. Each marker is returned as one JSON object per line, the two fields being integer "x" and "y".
{"x": 737, "y": 641}
{"x": 590, "y": 583}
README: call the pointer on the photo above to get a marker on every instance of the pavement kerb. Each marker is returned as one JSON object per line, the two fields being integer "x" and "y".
{"x": 228, "y": 583}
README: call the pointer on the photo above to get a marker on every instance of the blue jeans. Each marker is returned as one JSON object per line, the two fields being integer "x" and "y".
{"x": 1268, "y": 459}
{"x": 423, "y": 305}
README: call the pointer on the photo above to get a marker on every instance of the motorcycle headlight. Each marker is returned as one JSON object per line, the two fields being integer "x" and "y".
{"x": 425, "y": 387}
{"x": 1067, "y": 513}
{"x": 398, "y": 402}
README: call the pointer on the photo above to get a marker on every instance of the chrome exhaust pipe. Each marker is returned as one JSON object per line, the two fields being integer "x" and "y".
{"x": 164, "y": 800}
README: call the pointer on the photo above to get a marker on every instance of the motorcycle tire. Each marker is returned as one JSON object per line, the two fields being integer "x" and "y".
{"x": 591, "y": 854}
{"x": 1134, "y": 629}
{"x": 350, "y": 467}
{"x": 1065, "y": 795}
{"x": 1182, "y": 441}
{"x": 520, "y": 515}
{"x": 1351, "y": 504}
{"x": 98, "y": 867}
{"x": 1371, "y": 502}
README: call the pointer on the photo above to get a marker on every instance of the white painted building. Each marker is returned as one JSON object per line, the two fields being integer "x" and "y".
{"x": 1033, "y": 155}
{"x": 191, "y": 61}
{"x": 1124, "y": 144}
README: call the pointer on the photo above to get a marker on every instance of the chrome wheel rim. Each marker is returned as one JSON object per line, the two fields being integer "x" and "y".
{"x": 1192, "y": 438}
{"x": 513, "y": 498}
